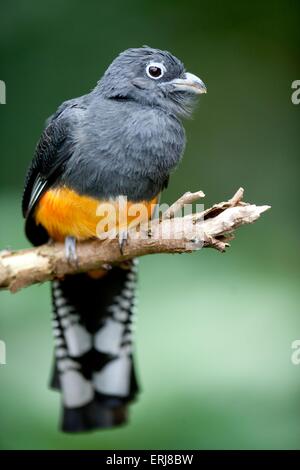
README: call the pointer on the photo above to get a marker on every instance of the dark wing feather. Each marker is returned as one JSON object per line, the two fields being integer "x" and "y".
{"x": 52, "y": 151}
{"x": 48, "y": 159}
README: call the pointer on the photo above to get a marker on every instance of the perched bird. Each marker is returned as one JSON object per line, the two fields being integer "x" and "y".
{"x": 121, "y": 139}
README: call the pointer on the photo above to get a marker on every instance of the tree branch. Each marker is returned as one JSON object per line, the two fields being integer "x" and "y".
{"x": 212, "y": 227}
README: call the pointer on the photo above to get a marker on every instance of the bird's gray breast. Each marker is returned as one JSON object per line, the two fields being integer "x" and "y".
{"x": 123, "y": 148}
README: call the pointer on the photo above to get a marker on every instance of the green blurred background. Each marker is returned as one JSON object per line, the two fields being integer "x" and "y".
{"x": 214, "y": 331}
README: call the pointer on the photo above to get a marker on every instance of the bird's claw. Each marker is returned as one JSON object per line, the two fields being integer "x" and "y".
{"x": 70, "y": 250}
{"x": 122, "y": 240}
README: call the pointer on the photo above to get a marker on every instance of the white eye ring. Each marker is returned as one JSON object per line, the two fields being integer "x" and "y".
{"x": 157, "y": 65}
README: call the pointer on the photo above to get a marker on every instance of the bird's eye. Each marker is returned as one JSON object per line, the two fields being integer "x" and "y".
{"x": 155, "y": 70}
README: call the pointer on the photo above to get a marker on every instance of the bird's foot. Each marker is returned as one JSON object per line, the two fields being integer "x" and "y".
{"x": 122, "y": 237}
{"x": 70, "y": 250}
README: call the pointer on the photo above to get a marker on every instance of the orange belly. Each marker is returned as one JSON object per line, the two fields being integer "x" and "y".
{"x": 64, "y": 213}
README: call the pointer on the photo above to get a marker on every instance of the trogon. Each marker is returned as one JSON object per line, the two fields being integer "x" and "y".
{"x": 121, "y": 139}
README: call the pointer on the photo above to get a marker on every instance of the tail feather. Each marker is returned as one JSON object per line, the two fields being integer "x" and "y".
{"x": 94, "y": 370}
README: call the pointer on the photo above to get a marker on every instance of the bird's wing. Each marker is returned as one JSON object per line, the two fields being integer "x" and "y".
{"x": 52, "y": 152}
{"x": 45, "y": 165}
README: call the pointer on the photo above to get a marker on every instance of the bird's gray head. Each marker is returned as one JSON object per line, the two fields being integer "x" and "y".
{"x": 151, "y": 77}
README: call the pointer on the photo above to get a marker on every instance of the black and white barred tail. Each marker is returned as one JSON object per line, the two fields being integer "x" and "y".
{"x": 93, "y": 331}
